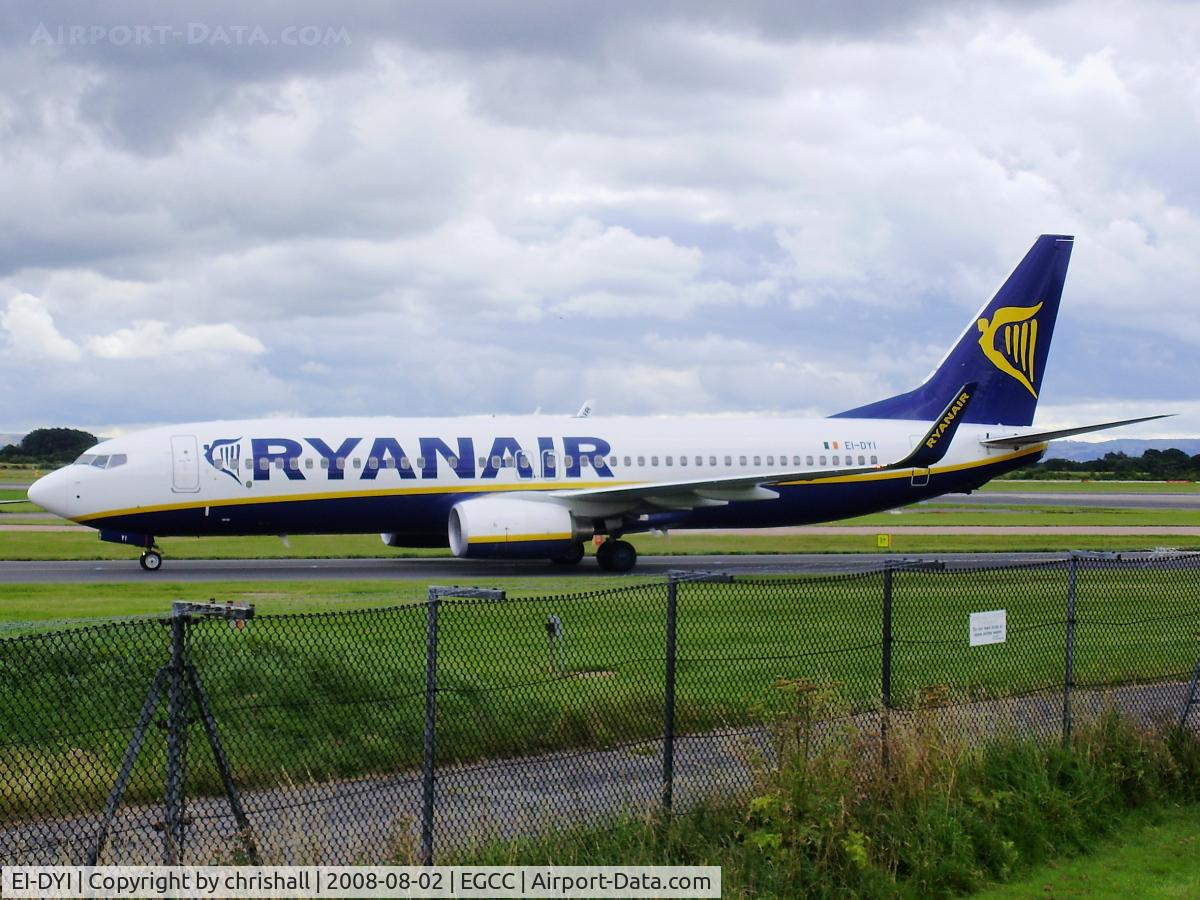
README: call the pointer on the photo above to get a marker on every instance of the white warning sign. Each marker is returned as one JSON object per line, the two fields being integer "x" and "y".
{"x": 989, "y": 627}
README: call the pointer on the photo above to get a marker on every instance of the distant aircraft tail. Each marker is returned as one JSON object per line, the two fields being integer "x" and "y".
{"x": 1003, "y": 350}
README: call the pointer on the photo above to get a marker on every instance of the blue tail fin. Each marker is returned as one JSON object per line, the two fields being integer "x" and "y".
{"x": 1003, "y": 350}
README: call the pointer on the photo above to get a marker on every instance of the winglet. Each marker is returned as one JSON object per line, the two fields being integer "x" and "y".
{"x": 937, "y": 440}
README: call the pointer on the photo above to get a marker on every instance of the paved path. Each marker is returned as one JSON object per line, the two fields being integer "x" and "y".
{"x": 463, "y": 571}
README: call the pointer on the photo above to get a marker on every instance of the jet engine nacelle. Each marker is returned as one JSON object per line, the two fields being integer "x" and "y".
{"x": 509, "y": 527}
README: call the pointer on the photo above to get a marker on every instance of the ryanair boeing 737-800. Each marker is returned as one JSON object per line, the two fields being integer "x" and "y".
{"x": 540, "y": 486}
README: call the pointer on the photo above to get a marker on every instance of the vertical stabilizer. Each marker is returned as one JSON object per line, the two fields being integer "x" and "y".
{"x": 1003, "y": 350}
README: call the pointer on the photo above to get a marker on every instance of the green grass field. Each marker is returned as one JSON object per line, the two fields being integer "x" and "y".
{"x": 316, "y": 695}
{"x": 1156, "y": 858}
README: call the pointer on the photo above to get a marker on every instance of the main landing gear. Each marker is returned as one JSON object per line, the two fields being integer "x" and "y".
{"x": 616, "y": 556}
{"x": 569, "y": 557}
{"x": 151, "y": 560}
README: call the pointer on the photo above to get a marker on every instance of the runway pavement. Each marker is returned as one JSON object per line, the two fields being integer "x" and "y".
{"x": 455, "y": 571}
{"x": 1066, "y": 498}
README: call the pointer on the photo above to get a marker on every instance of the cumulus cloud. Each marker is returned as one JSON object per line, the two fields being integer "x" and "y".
{"x": 31, "y": 331}
{"x": 151, "y": 340}
{"x": 673, "y": 206}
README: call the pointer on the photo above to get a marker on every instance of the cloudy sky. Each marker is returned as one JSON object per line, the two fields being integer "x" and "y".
{"x": 422, "y": 209}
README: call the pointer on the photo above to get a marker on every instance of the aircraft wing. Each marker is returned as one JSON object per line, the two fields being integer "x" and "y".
{"x": 698, "y": 492}
{"x": 1037, "y": 437}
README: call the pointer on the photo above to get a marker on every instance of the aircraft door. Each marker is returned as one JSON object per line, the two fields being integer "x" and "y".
{"x": 185, "y": 464}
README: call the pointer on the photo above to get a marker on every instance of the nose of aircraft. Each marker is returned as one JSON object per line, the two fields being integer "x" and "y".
{"x": 50, "y": 493}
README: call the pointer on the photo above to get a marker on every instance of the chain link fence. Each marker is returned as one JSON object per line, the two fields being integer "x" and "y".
{"x": 214, "y": 735}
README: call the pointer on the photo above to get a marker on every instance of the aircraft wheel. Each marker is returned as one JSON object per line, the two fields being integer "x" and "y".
{"x": 569, "y": 557}
{"x": 616, "y": 556}
{"x": 151, "y": 561}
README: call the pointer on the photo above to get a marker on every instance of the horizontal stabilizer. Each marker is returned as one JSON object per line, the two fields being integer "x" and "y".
{"x": 1037, "y": 437}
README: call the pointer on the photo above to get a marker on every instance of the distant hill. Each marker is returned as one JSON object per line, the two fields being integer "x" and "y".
{"x": 6, "y": 439}
{"x": 1083, "y": 451}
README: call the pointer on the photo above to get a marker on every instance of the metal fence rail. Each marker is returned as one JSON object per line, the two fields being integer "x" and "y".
{"x": 394, "y": 734}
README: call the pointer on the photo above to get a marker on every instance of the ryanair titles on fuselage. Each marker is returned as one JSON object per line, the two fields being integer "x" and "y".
{"x": 563, "y": 457}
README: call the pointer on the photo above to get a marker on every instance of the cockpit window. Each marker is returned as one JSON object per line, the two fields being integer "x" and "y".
{"x": 102, "y": 460}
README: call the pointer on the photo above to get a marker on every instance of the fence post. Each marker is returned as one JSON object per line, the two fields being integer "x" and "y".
{"x": 668, "y": 786}
{"x": 176, "y": 737}
{"x": 428, "y": 762}
{"x": 1190, "y": 700}
{"x": 1069, "y": 665}
{"x": 427, "y": 767}
{"x": 886, "y": 673}
{"x": 675, "y": 576}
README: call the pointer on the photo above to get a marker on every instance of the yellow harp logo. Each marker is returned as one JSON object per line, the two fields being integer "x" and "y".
{"x": 1016, "y": 328}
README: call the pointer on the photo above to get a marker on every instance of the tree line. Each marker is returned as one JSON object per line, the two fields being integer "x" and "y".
{"x": 1153, "y": 465}
{"x": 48, "y": 446}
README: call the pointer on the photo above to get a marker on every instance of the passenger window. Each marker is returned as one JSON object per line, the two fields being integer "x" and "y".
{"x": 796, "y": 461}
{"x": 874, "y": 460}
{"x": 357, "y": 463}
{"x": 627, "y": 462}
{"x": 712, "y": 460}
{"x": 372, "y": 462}
{"x": 654, "y": 460}
{"x": 837, "y": 460}
{"x": 250, "y": 464}
{"x": 862, "y": 460}
{"x": 420, "y": 462}
{"x": 308, "y": 463}
{"x": 324, "y": 462}
{"x": 341, "y": 463}
{"x": 279, "y": 463}
{"x": 823, "y": 459}
{"x": 808, "y": 460}
{"x": 405, "y": 464}
{"x": 612, "y": 461}
{"x": 452, "y": 462}
{"x": 770, "y": 460}
{"x": 294, "y": 464}
{"x": 683, "y": 460}
{"x": 641, "y": 460}
{"x": 483, "y": 462}
{"x": 758, "y": 460}
{"x": 262, "y": 465}
{"x": 568, "y": 460}
{"x": 549, "y": 460}
{"x": 669, "y": 460}
{"x": 598, "y": 462}
{"x": 741, "y": 460}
